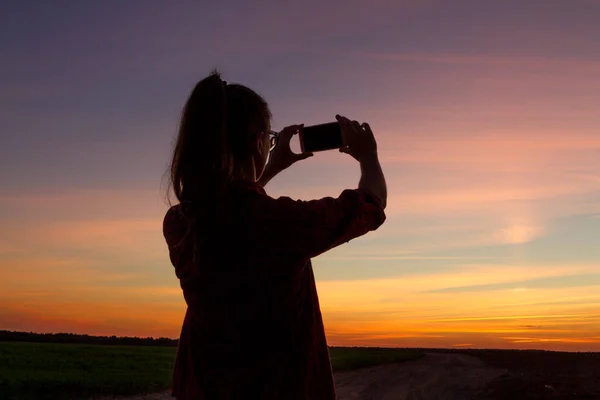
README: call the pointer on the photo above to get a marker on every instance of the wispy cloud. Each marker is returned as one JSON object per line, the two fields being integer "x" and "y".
{"x": 564, "y": 281}
{"x": 486, "y": 60}
{"x": 6, "y": 248}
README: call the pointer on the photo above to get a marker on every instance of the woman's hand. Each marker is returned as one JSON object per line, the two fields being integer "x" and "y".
{"x": 358, "y": 139}
{"x": 282, "y": 156}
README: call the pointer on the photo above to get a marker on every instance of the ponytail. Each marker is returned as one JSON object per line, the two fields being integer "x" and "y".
{"x": 201, "y": 142}
{"x": 215, "y": 135}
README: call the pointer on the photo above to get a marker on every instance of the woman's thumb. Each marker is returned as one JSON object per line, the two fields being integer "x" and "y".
{"x": 304, "y": 156}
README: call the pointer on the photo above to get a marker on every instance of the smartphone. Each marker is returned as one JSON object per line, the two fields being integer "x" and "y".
{"x": 321, "y": 137}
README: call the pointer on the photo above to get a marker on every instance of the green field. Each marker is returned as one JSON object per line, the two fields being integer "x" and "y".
{"x": 43, "y": 371}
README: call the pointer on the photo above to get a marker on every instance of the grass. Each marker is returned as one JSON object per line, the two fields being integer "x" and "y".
{"x": 61, "y": 371}
{"x": 348, "y": 358}
{"x": 43, "y": 371}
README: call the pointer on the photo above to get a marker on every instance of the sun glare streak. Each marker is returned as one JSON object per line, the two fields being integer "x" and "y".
{"x": 519, "y": 233}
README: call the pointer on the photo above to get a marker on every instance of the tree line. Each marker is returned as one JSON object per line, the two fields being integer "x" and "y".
{"x": 13, "y": 336}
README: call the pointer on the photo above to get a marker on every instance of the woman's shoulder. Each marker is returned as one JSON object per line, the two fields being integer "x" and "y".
{"x": 173, "y": 212}
{"x": 175, "y": 219}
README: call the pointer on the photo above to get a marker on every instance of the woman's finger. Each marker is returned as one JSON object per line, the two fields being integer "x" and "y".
{"x": 293, "y": 128}
{"x": 345, "y": 126}
{"x": 286, "y": 133}
{"x": 303, "y": 156}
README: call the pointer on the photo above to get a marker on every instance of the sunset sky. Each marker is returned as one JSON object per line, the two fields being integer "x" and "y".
{"x": 487, "y": 115}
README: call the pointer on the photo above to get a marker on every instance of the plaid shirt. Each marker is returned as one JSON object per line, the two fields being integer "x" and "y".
{"x": 253, "y": 327}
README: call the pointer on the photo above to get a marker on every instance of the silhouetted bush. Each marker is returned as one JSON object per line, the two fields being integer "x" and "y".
{"x": 10, "y": 336}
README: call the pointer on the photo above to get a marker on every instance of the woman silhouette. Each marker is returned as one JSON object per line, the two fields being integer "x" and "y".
{"x": 253, "y": 326}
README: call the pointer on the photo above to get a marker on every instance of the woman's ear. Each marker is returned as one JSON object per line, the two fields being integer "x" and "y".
{"x": 260, "y": 144}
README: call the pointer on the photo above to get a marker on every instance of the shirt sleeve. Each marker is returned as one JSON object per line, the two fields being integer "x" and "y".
{"x": 306, "y": 229}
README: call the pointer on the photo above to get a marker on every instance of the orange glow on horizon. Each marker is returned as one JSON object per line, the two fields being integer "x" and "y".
{"x": 371, "y": 317}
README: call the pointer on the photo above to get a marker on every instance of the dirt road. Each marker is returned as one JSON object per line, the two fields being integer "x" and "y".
{"x": 433, "y": 377}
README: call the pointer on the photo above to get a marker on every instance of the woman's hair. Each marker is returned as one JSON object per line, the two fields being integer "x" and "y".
{"x": 218, "y": 126}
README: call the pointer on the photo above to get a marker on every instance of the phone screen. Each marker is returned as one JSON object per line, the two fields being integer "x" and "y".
{"x": 321, "y": 137}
